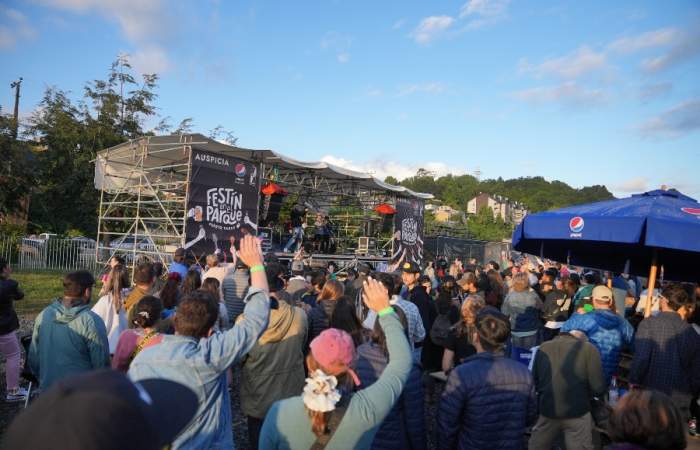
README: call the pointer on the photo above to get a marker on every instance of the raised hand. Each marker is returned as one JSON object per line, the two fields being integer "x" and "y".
{"x": 375, "y": 295}
{"x": 250, "y": 251}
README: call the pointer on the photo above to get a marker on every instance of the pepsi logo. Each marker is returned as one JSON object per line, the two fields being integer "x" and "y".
{"x": 693, "y": 211}
{"x": 239, "y": 169}
{"x": 576, "y": 224}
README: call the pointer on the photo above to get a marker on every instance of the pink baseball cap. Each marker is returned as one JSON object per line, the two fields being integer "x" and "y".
{"x": 334, "y": 350}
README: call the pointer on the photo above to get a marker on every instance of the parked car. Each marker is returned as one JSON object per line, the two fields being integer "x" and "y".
{"x": 128, "y": 243}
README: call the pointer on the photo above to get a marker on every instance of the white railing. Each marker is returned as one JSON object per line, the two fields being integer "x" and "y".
{"x": 33, "y": 254}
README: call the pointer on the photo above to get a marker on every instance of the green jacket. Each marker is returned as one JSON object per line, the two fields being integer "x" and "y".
{"x": 274, "y": 369}
{"x": 67, "y": 341}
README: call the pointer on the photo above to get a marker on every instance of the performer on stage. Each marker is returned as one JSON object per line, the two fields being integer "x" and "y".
{"x": 298, "y": 217}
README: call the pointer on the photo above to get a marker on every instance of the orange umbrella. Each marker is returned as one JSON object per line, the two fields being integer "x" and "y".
{"x": 272, "y": 188}
{"x": 385, "y": 208}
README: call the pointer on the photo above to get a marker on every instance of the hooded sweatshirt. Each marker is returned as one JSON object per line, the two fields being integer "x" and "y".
{"x": 67, "y": 341}
{"x": 274, "y": 369}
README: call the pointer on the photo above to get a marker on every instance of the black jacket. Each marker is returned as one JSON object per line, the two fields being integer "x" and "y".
{"x": 9, "y": 292}
{"x": 319, "y": 319}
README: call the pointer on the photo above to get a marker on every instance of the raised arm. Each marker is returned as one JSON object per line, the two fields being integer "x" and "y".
{"x": 375, "y": 402}
{"x": 226, "y": 348}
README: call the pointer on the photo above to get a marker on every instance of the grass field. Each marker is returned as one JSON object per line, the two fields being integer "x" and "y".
{"x": 40, "y": 288}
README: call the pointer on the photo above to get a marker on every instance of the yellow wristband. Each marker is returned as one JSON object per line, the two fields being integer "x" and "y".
{"x": 258, "y": 268}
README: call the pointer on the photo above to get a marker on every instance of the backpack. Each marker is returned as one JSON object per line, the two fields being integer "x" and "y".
{"x": 440, "y": 331}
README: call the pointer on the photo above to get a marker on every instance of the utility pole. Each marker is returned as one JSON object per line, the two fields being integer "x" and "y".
{"x": 16, "y": 84}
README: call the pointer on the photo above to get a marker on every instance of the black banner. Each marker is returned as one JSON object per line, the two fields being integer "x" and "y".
{"x": 408, "y": 235}
{"x": 222, "y": 202}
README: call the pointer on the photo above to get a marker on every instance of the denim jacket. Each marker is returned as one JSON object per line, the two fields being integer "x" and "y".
{"x": 201, "y": 365}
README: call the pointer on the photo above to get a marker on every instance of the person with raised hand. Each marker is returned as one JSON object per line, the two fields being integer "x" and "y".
{"x": 328, "y": 413}
{"x": 198, "y": 357}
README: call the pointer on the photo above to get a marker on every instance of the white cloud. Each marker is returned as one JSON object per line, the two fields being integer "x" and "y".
{"x": 433, "y": 88}
{"x": 14, "y": 29}
{"x": 637, "y": 184}
{"x": 382, "y": 168}
{"x": 567, "y": 94}
{"x": 678, "y": 121}
{"x": 343, "y": 57}
{"x": 145, "y": 23}
{"x": 483, "y": 12}
{"x": 374, "y": 92}
{"x": 685, "y": 47}
{"x": 431, "y": 28}
{"x": 650, "y": 39}
{"x": 576, "y": 64}
{"x": 484, "y": 8}
{"x": 150, "y": 59}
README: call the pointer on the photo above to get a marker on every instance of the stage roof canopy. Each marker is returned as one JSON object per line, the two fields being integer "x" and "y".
{"x": 168, "y": 155}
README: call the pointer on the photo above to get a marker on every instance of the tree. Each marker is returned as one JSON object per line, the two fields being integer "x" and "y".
{"x": 69, "y": 135}
{"x": 391, "y": 180}
{"x": 16, "y": 172}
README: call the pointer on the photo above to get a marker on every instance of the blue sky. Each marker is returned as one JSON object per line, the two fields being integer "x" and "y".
{"x": 592, "y": 92}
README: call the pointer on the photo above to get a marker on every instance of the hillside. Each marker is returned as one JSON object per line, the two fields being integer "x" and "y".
{"x": 536, "y": 193}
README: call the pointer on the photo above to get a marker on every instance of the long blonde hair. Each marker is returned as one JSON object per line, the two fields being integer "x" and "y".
{"x": 117, "y": 281}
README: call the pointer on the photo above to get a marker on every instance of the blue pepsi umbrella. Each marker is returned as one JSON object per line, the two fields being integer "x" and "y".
{"x": 656, "y": 228}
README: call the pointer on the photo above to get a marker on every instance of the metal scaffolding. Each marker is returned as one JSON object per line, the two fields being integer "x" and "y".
{"x": 144, "y": 184}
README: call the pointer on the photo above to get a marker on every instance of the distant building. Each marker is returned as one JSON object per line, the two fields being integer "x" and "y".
{"x": 509, "y": 211}
{"x": 444, "y": 213}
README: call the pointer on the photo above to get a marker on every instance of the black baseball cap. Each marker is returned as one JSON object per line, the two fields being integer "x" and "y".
{"x": 410, "y": 267}
{"x": 104, "y": 410}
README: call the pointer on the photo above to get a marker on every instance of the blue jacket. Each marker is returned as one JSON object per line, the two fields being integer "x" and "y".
{"x": 488, "y": 402}
{"x": 201, "y": 365}
{"x": 404, "y": 427}
{"x": 608, "y": 332}
{"x": 67, "y": 341}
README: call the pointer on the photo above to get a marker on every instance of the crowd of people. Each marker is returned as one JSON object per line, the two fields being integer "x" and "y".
{"x": 527, "y": 355}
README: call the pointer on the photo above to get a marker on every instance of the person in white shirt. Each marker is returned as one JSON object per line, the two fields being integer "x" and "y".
{"x": 110, "y": 307}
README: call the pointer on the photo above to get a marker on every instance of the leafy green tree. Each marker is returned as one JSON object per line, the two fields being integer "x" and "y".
{"x": 69, "y": 135}
{"x": 16, "y": 171}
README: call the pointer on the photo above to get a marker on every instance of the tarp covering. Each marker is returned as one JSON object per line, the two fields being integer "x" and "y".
{"x": 169, "y": 152}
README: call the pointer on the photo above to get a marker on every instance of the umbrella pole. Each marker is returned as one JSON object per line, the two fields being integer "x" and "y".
{"x": 652, "y": 283}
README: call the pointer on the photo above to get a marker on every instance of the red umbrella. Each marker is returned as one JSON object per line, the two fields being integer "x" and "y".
{"x": 272, "y": 188}
{"x": 385, "y": 208}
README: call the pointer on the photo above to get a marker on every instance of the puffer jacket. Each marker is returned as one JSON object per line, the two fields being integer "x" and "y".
{"x": 274, "y": 368}
{"x": 404, "y": 427}
{"x": 319, "y": 318}
{"x": 608, "y": 332}
{"x": 488, "y": 402}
